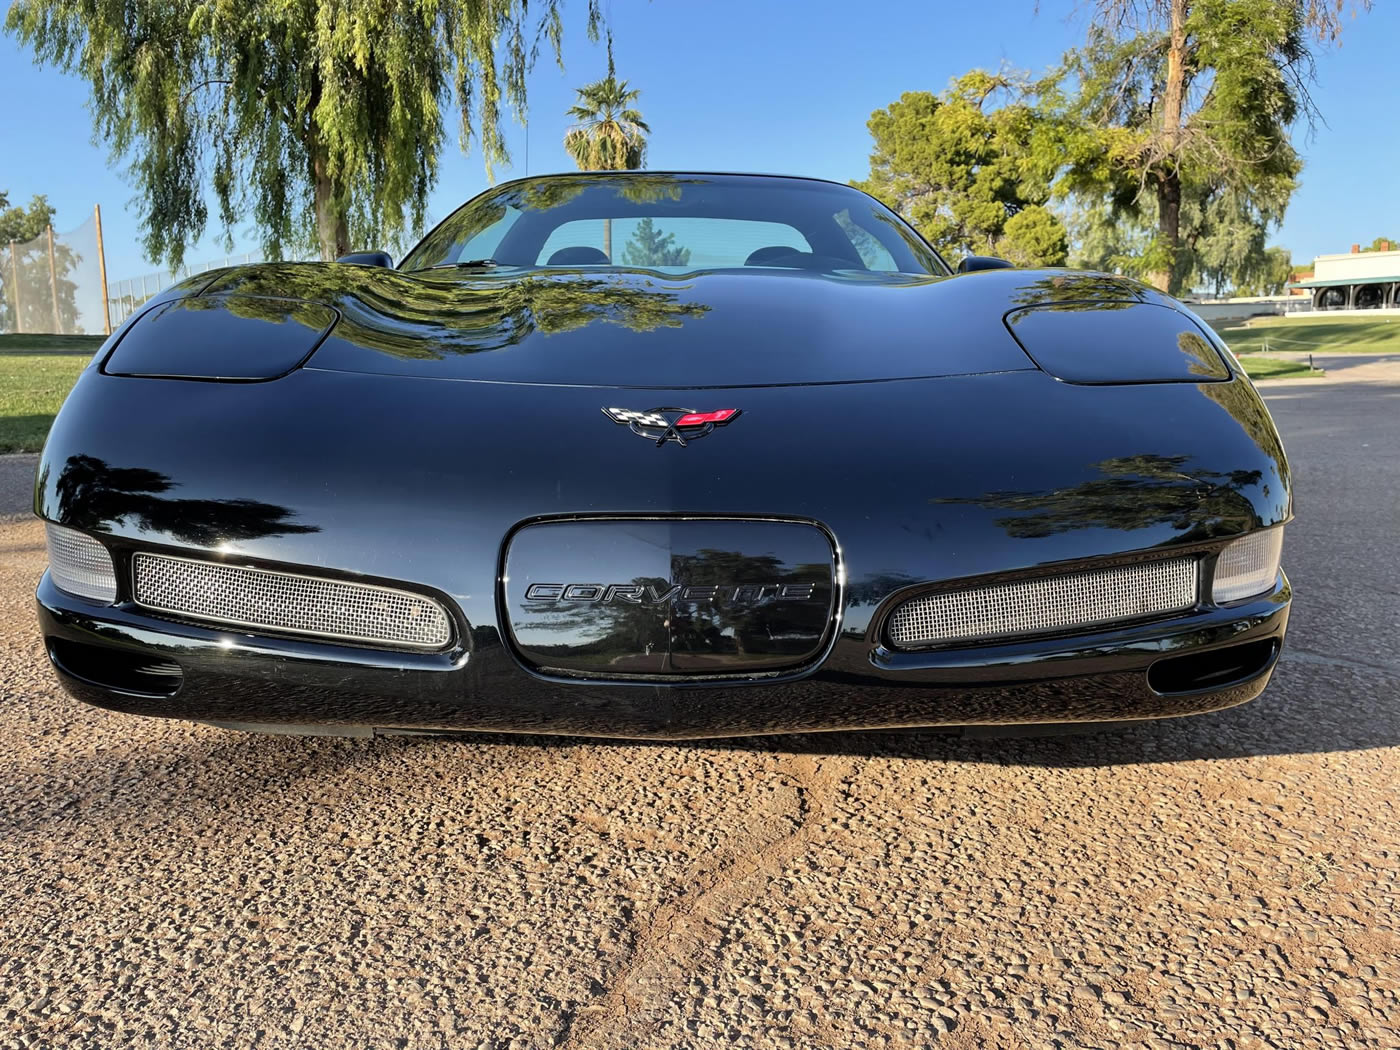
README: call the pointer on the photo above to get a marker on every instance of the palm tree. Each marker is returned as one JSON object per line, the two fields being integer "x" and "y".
{"x": 609, "y": 133}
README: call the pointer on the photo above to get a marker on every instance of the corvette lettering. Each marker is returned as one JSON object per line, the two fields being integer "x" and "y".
{"x": 637, "y": 594}
{"x": 671, "y": 424}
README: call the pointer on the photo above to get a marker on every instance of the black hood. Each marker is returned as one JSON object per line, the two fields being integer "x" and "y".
{"x": 636, "y": 328}
{"x": 420, "y": 480}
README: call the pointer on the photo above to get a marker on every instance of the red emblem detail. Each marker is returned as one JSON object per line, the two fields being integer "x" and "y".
{"x": 697, "y": 419}
{"x": 671, "y": 423}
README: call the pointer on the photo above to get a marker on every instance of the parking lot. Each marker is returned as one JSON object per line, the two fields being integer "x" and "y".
{"x": 1229, "y": 880}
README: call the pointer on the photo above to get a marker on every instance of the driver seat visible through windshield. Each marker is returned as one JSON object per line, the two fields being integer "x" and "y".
{"x": 765, "y": 256}
{"x": 579, "y": 256}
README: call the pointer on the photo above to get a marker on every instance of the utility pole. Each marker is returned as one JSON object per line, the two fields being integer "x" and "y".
{"x": 53, "y": 286}
{"x": 19, "y": 302}
{"x": 102, "y": 271}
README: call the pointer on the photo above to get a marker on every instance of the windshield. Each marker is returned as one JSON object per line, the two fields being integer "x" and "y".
{"x": 676, "y": 224}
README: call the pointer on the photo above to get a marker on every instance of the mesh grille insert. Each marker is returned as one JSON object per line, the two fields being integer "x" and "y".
{"x": 1051, "y": 603}
{"x": 282, "y": 601}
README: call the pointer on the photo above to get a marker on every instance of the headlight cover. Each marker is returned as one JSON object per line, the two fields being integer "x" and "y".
{"x": 1117, "y": 342}
{"x": 1248, "y": 566}
{"x": 236, "y": 338}
{"x": 80, "y": 565}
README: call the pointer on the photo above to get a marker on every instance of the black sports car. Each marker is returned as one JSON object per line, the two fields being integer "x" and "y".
{"x": 671, "y": 455}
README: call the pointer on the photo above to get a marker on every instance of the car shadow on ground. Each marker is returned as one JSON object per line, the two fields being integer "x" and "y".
{"x": 1310, "y": 707}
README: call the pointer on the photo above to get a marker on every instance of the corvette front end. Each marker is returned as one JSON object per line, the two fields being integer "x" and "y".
{"x": 640, "y": 504}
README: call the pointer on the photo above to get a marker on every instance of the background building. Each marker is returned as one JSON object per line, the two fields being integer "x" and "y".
{"x": 1355, "y": 281}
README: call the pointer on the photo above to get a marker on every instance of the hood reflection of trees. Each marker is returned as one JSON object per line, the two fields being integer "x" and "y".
{"x": 1081, "y": 291}
{"x": 430, "y": 315}
{"x": 1132, "y": 492}
{"x": 93, "y": 495}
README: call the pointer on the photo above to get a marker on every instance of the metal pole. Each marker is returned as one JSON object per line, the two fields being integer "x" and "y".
{"x": 14, "y": 278}
{"x": 53, "y": 286}
{"x": 102, "y": 270}
{"x": 19, "y": 301}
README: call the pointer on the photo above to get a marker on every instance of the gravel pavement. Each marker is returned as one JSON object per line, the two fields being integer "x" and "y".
{"x": 1223, "y": 881}
{"x": 17, "y": 486}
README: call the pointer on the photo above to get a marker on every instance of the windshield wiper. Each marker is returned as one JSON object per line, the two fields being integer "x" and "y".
{"x": 469, "y": 264}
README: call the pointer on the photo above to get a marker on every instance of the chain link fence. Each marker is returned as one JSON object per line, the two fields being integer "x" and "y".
{"x": 53, "y": 284}
{"x": 129, "y": 294}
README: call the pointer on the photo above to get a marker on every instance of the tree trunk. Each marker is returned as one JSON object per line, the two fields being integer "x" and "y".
{"x": 607, "y": 238}
{"x": 1168, "y": 227}
{"x": 332, "y": 231}
{"x": 1169, "y": 178}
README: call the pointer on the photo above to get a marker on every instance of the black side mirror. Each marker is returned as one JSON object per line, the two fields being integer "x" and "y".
{"x": 383, "y": 259}
{"x": 983, "y": 262}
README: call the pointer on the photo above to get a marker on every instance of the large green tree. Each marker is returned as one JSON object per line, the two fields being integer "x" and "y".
{"x": 1223, "y": 243}
{"x": 324, "y": 114}
{"x": 970, "y": 168}
{"x": 36, "y": 292}
{"x": 24, "y": 223}
{"x": 648, "y": 246}
{"x": 1175, "y": 102}
{"x": 608, "y": 133}
{"x": 1270, "y": 277}
{"x": 1105, "y": 239}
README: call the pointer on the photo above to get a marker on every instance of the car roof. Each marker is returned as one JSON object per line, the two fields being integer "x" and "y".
{"x": 650, "y": 172}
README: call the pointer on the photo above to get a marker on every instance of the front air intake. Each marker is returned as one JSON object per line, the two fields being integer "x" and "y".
{"x": 1051, "y": 603}
{"x": 291, "y": 603}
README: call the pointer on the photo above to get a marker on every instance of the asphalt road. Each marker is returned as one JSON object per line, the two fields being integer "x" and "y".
{"x": 17, "y": 486}
{"x": 1224, "y": 881}
{"x": 1346, "y": 368}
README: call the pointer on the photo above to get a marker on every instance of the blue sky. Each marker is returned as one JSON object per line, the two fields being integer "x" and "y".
{"x": 744, "y": 85}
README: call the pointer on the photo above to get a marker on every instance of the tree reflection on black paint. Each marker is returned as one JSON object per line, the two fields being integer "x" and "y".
{"x": 875, "y": 588}
{"x": 1202, "y": 359}
{"x": 1132, "y": 492}
{"x": 770, "y": 626}
{"x": 1080, "y": 291}
{"x": 94, "y": 495}
{"x": 720, "y": 625}
{"x": 432, "y": 315}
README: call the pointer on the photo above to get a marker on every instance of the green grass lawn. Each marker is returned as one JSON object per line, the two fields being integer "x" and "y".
{"x": 1309, "y": 333}
{"x": 32, "y": 386}
{"x": 73, "y": 344}
{"x": 1260, "y": 367}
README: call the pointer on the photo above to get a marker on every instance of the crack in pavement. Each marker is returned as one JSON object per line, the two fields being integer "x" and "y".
{"x": 1228, "y": 879}
{"x": 668, "y": 937}
{"x": 1305, "y": 656}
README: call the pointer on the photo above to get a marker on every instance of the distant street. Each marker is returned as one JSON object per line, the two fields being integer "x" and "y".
{"x": 1229, "y": 880}
{"x": 1347, "y": 368}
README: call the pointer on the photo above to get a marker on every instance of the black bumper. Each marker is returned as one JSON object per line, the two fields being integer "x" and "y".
{"x": 1203, "y": 661}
